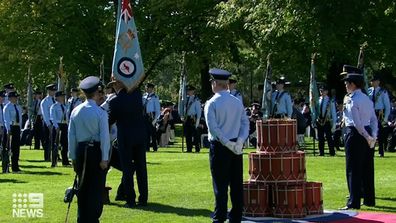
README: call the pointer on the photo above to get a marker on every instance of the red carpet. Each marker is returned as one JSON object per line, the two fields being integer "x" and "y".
{"x": 370, "y": 217}
{"x": 331, "y": 217}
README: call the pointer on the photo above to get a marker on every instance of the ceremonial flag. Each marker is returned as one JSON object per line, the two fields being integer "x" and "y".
{"x": 29, "y": 95}
{"x": 313, "y": 91}
{"x": 266, "y": 105}
{"x": 360, "y": 65}
{"x": 60, "y": 81}
{"x": 127, "y": 61}
{"x": 182, "y": 90}
{"x": 101, "y": 70}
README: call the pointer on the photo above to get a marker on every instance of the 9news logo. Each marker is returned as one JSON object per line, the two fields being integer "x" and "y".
{"x": 28, "y": 205}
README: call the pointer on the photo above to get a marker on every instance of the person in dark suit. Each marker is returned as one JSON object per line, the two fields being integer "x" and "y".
{"x": 126, "y": 110}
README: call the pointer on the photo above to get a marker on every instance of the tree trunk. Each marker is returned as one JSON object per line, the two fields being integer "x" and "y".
{"x": 206, "y": 88}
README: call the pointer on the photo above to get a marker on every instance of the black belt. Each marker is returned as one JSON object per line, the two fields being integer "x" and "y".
{"x": 232, "y": 140}
{"x": 89, "y": 144}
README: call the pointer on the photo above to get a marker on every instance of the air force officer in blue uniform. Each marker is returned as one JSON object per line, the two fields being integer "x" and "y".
{"x": 228, "y": 128}
{"x": 89, "y": 145}
{"x": 381, "y": 103}
{"x": 361, "y": 132}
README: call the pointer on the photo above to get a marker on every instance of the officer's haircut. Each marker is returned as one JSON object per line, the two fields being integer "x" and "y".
{"x": 359, "y": 83}
{"x": 90, "y": 95}
{"x": 222, "y": 83}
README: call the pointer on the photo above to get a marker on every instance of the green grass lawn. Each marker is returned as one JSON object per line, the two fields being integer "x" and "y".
{"x": 180, "y": 188}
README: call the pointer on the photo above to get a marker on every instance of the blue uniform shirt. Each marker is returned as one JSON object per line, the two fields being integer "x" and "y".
{"x": 359, "y": 112}
{"x": 9, "y": 113}
{"x": 282, "y": 104}
{"x": 192, "y": 107}
{"x": 89, "y": 122}
{"x": 237, "y": 94}
{"x": 57, "y": 114}
{"x": 72, "y": 102}
{"x": 380, "y": 99}
{"x": 45, "y": 107}
{"x": 151, "y": 104}
{"x": 2, "y": 115}
{"x": 328, "y": 105}
{"x": 226, "y": 118}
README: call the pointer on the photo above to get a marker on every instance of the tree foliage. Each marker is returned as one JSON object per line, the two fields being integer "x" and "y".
{"x": 234, "y": 34}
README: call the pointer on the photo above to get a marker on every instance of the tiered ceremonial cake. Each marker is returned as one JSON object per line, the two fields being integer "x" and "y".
{"x": 277, "y": 185}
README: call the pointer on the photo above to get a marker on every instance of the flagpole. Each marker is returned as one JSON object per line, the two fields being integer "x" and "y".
{"x": 267, "y": 90}
{"x": 182, "y": 96}
{"x": 313, "y": 98}
{"x": 29, "y": 102}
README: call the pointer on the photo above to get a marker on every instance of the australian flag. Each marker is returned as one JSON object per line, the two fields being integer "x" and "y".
{"x": 127, "y": 61}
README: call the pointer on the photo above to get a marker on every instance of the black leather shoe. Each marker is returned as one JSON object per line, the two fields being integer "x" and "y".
{"x": 120, "y": 198}
{"x": 142, "y": 204}
{"x": 129, "y": 205}
{"x": 368, "y": 204}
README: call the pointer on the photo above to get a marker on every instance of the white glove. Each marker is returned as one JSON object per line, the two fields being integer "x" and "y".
{"x": 197, "y": 123}
{"x": 239, "y": 146}
{"x": 333, "y": 129}
{"x": 371, "y": 141}
{"x": 231, "y": 146}
{"x": 153, "y": 122}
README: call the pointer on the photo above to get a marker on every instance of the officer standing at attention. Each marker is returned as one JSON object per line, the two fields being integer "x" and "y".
{"x": 326, "y": 122}
{"x": 13, "y": 123}
{"x": 281, "y": 101}
{"x": 89, "y": 146}
{"x": 360, "y": 136}
{"x": 8, "y": 88}
{"x": 37, "y": 119}
{"x": 193, "y": 110}
{"x": 228, "y": 128}
{"x": 126, "y": 111}
{"x": 382, "y": 107}
{"x": 73, "y": 101}
{"x": 2, "y": 129}
{"x": 45, "y": 107}
{"x": 58, "y": 116}
{"x": 232, "y": 89}
{"x": 152, "y": 111}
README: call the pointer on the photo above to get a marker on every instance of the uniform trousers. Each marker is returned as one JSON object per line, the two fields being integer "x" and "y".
{"x": 91, "y": 182}
{"x": 15, "y": 146}
{"x": 226, "y": 169}
{"x": 358, "y": 173}
{"x": 325, "y": 130}
{"x": 382, "y": 137}
{"x": 133, "y": 159}
{"x": 191, "y": 134}
{"x": 62, "y": 143}
{"x": 38, "y": 132}
{"x": 151, "y": 135}
{"x": 46, "y": 142}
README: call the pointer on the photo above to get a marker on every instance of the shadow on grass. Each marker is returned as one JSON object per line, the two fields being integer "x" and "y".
{"x": 386, "y": 198}
{"x": 167, "y": 209}
{"x": 35, "y": 161}
{"x": 385, "y": 208}
{"x": 33, "y": 166}
{"x": 14, "y": 181}
{"x": 44, "y": 173}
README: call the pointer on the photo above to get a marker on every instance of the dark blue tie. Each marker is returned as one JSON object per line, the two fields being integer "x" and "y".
{"x": 17, "y": 114}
